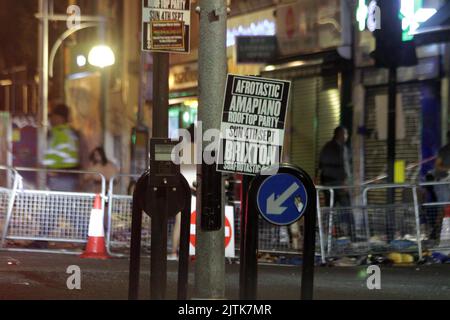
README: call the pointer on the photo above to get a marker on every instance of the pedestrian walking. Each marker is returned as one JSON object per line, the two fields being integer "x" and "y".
{"x": 335, "y": 170}
{"x": 62, "y": 154}
{"x": 62, "y": 150}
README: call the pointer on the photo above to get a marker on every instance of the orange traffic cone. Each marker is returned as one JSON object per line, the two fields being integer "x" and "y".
{"x": 445, "y": 229}
{"x": 95, "y": 248}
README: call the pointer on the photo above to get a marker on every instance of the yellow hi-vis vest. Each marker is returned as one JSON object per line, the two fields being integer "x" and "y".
{"x": 62, "y": 149}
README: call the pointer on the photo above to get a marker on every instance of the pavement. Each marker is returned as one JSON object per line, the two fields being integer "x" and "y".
{"x": 39, "y": 276}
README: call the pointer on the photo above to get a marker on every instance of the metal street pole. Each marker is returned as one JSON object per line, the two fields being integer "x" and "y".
{"x": 104, "y": 87}
{"x": 142, "y": 86}
{"x": 102, "y": 8}
{"x": 210, "y": 247}
{"x": 158, "y": 261}
{"x": 391, "y": 141}
{"x": 160, "y": 127}
{"x": 104, "y": 104}
{"x": 43, "y": 84}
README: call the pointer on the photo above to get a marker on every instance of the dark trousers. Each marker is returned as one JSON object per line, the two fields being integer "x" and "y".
{"x": 430, "y": 217}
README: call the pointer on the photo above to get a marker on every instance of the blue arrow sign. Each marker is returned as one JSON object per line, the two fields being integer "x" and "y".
{"x": 282, "y": 199}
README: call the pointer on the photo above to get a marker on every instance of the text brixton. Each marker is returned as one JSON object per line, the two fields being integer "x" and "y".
{"x": 166, "y": 25}
{"x": 253, "y": 121}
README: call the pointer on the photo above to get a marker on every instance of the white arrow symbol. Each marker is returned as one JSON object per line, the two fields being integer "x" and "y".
{"x": 274, "y": 206}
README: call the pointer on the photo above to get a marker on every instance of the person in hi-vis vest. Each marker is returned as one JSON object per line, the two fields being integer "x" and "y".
{"x": 62, "y": 150}
{"x": 62, "y": 154}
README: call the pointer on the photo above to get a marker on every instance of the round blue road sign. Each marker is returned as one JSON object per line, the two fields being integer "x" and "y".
{"x": 282, "y": 199}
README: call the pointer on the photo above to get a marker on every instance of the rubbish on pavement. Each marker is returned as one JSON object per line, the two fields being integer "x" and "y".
{"x": 401, "y": 258}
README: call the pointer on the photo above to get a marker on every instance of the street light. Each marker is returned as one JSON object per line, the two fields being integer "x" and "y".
{"x": 45, "y": 66}
{"x": 101, "y": 56}
{"x": 81, "y": 60}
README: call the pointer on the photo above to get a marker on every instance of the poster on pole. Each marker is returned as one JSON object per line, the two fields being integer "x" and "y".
{"x": 166, "y": 25}
{"x": 253, "y": 123}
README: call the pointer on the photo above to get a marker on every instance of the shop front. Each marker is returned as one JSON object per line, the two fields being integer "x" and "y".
{"x": 309, "y": 37}
{"x": 183, "y": 97}
{"x": 421, "y": 111}
{"x": 183, "y": 77}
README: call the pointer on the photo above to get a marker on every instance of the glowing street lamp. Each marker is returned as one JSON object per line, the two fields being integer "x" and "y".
{"x": 101, "y": 56}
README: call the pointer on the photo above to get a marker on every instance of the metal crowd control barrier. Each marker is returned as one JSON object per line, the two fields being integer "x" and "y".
{"x": 406, "y": 220}
{"x": 285, "y": 241}
{"x": 50, "y": 215}
{"x": 319, "y": 190}
{"x": 10, "y": 181}
{"x": 120, "y": 200}
{"x": 433, "y": 212}
{"x": 272, "y": 239}
{"x": 359, "y": 225}
{"x": 340, "y": 217}
{"x": 356, "y": 229}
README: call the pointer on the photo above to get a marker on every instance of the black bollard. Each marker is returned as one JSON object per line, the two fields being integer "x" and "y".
{"x": 136, "y": 227}
{"x": 251, "y": 247}
{"x": 158, "y": 257}
{"x": 309, "y": 239}
{"x": 159, "y": 200}
{"x": 243, "y": 217}
{"x": 183, "y": 263}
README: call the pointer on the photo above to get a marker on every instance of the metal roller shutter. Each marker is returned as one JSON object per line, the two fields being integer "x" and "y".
{"x": 315, "y": 112}
{"x": 303, "y": 130}
{"x": 374, "y": 150}
{"x": 408, "y": 149}
{"x": 328, "y": 111}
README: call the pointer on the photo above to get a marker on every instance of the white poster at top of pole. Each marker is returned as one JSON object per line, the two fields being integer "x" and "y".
{"x": 166, "y": 25}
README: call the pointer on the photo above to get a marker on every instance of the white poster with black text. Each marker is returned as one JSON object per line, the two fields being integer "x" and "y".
{"x": 253, "y": 123}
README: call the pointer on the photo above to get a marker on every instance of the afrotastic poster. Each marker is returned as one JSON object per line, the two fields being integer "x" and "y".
{"x": 253, "y": 122}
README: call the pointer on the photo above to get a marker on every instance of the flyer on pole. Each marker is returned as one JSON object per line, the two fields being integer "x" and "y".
{"x": 253, "y": 123}
{"x": 166, "y": 25}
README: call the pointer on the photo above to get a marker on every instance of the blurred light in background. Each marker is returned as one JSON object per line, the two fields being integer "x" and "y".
{"x": 361, "y": 14}
{"x": 259, "y": 28}
{"x": 186, "y": 117}
{"x": 101, "y": 56}
{"x": 191, "y": 103}
{"x": 81, "y": 60}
